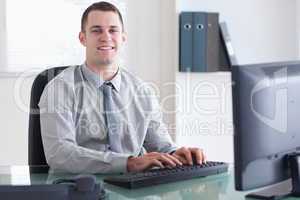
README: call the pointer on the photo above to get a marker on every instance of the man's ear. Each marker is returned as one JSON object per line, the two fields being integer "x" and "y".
{"x": 82, "y": 38}
{"x": 124, "y": 37}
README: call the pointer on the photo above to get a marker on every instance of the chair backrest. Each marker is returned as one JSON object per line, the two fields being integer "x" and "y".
{"x": 36, "y": 155}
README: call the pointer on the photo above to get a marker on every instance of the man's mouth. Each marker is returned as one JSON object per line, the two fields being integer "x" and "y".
{"x": 105, "y": 48}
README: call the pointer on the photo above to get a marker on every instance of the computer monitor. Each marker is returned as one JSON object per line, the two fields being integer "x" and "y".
{"x": 266, "y": 117}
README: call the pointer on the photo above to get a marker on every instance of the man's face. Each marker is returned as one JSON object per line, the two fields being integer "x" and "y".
{"x": 103, "y": 37}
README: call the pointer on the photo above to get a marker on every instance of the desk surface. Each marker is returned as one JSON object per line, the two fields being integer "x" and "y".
{"x": 218, "y": 187}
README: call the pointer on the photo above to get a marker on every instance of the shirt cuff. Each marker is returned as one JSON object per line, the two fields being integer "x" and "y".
{"x": 172, "y": 150}
{"x": 119, "y": 163}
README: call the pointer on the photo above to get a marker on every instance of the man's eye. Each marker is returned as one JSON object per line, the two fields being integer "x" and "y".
{"x": 113, "y": 30}
{"x": 96, "y": 31}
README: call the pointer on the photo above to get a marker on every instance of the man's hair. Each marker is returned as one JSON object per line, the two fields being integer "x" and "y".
{"x": 101, "y": 6}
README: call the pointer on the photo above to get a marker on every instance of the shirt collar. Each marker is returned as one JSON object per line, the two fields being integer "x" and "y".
{"x": 98, "y": 81}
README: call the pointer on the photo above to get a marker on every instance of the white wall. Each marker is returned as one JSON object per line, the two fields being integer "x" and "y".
{"x": 14, "y": 105}
{"x": 150, "y": 49}
{"x": 2, "y": 34}
{"x": 298, "y": 25}
{"x": 261, "y": 31}
{"x": 14, "y": 102}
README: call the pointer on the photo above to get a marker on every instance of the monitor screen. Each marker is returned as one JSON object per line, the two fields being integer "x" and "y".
{"x": 266, "y": 113}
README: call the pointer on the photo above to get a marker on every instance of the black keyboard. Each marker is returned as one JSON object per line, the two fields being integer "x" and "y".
{"x": 166, "y": 175}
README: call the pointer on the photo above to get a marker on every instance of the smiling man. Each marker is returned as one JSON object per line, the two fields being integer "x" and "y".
{"x": 99, "y": 118}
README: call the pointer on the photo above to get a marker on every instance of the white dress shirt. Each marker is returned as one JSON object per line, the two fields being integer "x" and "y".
{"x": 73, "y": 128}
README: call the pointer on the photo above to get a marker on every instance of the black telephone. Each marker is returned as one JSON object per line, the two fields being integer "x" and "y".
{"x": 83, "y": 187}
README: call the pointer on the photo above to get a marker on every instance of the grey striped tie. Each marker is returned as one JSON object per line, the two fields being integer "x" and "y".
{"x": 112, "y": 117}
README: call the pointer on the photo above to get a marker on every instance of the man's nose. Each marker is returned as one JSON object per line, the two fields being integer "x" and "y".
{"x": 105, "y": 36}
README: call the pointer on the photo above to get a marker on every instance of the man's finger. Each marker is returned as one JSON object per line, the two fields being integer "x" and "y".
{"x": 174, "y": 159}
{"x": 166, "y": 160}
{"x": 181, "y": 159}
{"x": 188, "y": 155}
{"x": 155, "y": 163}
{"x": 199, "y": 155}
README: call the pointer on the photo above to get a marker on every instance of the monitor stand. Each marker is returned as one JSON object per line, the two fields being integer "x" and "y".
{"x": 290, "y": 187}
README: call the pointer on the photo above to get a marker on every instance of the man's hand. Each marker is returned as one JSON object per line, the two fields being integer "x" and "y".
{"x": 186, "y": 155}
{"x": 149, "y": 160}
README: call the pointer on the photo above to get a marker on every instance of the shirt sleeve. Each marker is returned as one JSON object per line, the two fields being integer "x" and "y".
{"x": 59, "y": 136}
{"x": 157, "y": 137}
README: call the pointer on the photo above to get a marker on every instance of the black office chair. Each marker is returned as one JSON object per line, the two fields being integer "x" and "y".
{"x": 36, "y": 155}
